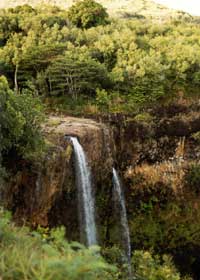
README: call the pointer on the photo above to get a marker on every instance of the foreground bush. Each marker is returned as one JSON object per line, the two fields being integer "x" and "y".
{"x": 148, "y": 267}
{"x": 38, "y": 256}
{"x": 27, "y": 255}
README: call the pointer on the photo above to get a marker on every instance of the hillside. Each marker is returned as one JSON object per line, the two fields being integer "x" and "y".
{"x": 99, "y": 141}
{"x": 122, "y": 8}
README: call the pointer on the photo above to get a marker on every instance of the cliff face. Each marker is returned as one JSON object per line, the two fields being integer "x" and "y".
{"x": 44, "y": 192}
{"x": 95, "y": 138}
{"x": 155, "y": 136}
{"x": 158, "y": 156}
{"x": 125, "y": 142}
{"x": 32, "y": 190}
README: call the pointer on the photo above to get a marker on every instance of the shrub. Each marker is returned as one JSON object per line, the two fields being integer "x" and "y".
{"x": 102, "y": 99}
{"x": 27, "y": 255}
{"x": 147, "y": 267}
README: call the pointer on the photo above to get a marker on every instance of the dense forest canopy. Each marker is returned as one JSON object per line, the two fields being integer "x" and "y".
{"x": 142, "y": 60}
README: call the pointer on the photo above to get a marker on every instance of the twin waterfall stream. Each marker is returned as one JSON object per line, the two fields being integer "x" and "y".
{"x": 85, "y": 197}
{"x": 120, "y": 200}
{"x": 87, "y": 202}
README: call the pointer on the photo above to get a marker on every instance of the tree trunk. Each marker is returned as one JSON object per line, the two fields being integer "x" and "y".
{"x": 15, "y": 79}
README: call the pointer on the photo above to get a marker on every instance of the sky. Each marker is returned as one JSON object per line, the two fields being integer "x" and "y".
{"x": 190, "y": 6}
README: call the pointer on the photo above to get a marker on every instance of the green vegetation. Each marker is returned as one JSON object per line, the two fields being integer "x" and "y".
{"x": 42, "y": 255}
{"x": 72, "y": 75}
{"x": 81, "y": 61}
{"x": 132, "y": 62}
{"x": 87, "y": 13}
{"x": 148, "y": 267}
{"x": 20, "y": 120}
{"x": 31, "y": 255}
{"x": 162, "y": 213}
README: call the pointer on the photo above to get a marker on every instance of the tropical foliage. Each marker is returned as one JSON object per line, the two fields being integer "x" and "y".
{"x": 32, "y": 255}
{"x": 20, "y": 120}
{"x": 136, "y": 61}
{"x": 37, "y": 255}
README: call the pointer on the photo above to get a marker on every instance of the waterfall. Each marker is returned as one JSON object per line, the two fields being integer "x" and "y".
{"x": 120, "y": 200}
{"x": 86, "y": 200}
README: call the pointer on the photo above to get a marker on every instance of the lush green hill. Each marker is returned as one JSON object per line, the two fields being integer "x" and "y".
{"x": 115, "y": 7}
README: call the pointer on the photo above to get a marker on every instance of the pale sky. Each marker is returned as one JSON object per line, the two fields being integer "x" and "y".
{"x": 190, "y": 6}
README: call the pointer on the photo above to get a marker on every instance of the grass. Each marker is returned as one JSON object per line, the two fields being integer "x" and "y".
{"x": 168, "y": 172}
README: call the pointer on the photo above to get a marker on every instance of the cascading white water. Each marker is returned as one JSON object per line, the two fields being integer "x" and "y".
{"x": 120, "y": 200}
{"x": 86, "y": 200}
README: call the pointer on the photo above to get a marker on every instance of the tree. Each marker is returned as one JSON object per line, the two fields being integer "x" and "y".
{"x": 20, "y": 118}
{"x": 87, "y": 13}
{"x": 23, "y": 56}
{"x": 74, "y": 75}
{"x": 12, "y": 55}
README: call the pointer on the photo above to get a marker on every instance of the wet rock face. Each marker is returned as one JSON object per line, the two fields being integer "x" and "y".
{"x": 32, "y": 191}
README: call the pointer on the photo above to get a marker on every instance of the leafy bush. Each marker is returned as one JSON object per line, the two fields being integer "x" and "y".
{"x": 87, "y": 13}
{"x": 102, "y": 99}
{"x": 27, "y": 255}
{"x": 147, "y": 267}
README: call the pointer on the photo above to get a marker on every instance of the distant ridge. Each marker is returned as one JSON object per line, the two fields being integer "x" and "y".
{"x": 119, "y": 8}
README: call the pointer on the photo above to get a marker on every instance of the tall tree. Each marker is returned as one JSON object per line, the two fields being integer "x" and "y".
{"x": 72, "y": 75}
